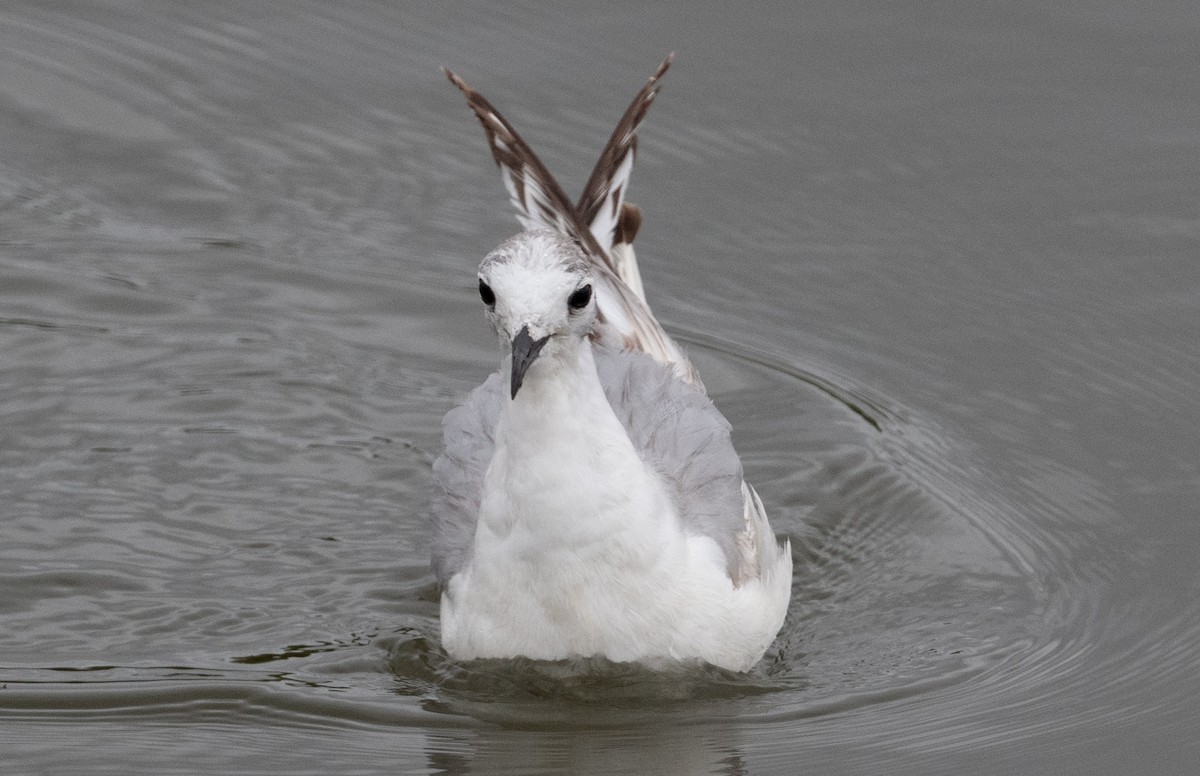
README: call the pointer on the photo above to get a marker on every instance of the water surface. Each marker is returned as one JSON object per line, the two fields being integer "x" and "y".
{"x": 936, "y": 265}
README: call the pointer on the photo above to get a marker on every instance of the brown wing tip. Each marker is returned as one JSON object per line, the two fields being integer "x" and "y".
{"x": 464, "y": 87}
{"x": 628, "y": 224}
{"x": 666, "y": 63}
{"x": 650, "y": 90}
{"x": 457, "y": 81}
{"x": 483, "y": 110}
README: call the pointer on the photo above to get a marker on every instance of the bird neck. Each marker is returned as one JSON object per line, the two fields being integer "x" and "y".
{"x": 561, "y": 453}
{"x": 562, "y": 388}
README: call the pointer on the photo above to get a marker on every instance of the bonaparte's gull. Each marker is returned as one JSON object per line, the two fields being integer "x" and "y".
{"x": 590, "y": 502}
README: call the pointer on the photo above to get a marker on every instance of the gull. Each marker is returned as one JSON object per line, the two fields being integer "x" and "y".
{"x": 590, "y": 500}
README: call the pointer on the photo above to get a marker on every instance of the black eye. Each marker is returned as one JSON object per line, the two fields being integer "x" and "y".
{"x": 486, "y": 294}
{"x": 580, "y": 299}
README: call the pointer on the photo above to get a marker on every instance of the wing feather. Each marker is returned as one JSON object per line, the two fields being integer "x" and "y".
{"x": 541, "y": 203}
{"x": 539, "y": 200}
{"x": 600, "y": 206}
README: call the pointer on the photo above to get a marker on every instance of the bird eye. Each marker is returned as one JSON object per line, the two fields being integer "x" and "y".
{"x": 486, "y": 294}
{"x": 580, "y": 299}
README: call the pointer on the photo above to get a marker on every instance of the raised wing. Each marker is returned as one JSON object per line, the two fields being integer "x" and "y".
{"x": 541, "y": 203}
{"x": 601, "y": 204}
{"x": 612, "y": 221}
{"x": 539, "y": 200}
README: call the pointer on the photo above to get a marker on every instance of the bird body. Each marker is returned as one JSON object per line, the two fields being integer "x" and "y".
{"x": 591, "y": 502}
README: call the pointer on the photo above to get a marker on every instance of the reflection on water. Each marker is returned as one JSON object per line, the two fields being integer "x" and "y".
{"x": 236, "y": 247}
{"x": 654, "y": 749}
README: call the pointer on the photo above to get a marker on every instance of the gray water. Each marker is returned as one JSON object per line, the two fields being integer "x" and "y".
{"x": 936, "y": 263}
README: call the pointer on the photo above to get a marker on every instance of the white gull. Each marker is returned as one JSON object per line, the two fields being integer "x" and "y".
{"x": 591, "y": 502}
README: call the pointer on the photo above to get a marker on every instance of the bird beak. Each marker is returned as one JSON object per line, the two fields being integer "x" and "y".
{"x": 524, "y": 350}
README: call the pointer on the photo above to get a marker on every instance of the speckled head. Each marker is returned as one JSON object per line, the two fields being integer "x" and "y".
{"x": 537, "y": 287}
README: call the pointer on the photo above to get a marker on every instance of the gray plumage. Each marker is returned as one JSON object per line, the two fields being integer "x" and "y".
{"x": 673, "y": 425}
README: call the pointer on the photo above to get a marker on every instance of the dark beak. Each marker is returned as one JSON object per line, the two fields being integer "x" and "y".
{"x": 524, "y": 350}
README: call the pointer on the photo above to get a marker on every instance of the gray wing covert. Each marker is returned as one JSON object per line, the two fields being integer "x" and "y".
{"x": 468, "y": 435}
{"x": 677, "y": 430}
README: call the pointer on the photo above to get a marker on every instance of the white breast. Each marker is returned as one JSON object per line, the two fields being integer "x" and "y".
{"x": 578, "y": 550}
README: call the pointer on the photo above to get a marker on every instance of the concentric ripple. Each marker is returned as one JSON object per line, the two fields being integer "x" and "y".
{"x": 949, "y": 307}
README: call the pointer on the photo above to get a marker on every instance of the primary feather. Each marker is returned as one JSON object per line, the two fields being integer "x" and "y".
{"x": 540, "y": 203}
